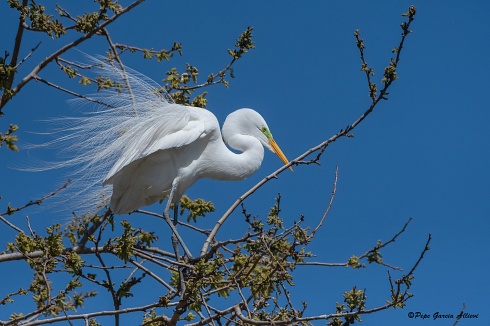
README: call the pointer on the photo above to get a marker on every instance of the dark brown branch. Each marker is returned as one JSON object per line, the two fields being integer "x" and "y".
{"x": 18, "y": 40}
{"x": 364, "y": 255}
{"x": 11, "y": 210}
{"x": 65, "y": 48}
{"x": 382, "y": 245}
{"x": 37, "y": 78}
{"x": 28, "y": 55}
{"x": 426, "y": 248}
{"x": 15, "y": 55}
{"x": 368, "y": 70}
{"x": 8, "y": 296}
{"x": 109, "y": 285}
{"x": 64, "y": 13}
{"x": 460, "y": 314}
{"x": 124, "y": 47}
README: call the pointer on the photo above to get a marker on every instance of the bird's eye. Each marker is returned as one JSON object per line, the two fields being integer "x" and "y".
{"x": 266, "y": 131}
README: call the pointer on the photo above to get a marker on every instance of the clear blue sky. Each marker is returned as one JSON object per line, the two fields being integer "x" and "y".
{"x": 421, "y": 154}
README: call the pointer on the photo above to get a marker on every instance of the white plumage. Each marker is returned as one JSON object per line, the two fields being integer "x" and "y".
{"x": 145, "y": 146}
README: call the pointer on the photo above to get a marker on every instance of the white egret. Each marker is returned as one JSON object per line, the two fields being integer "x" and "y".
{"x": 182, "y": 144}
{"x": 145, "y": 147}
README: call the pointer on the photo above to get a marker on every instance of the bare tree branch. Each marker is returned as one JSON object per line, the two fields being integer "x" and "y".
{"x": 89, "y": 315}
{"x": 460, "y": 314}
{"x": 28, "y": 55}
{"x": 65, "y": 48}
{"x": 11, "y": 210}
{"x": 37, "y": 78}
{"x": 156, "y": 277}
{"x": 334, "y": 189}
{"x": 10, "y": 224}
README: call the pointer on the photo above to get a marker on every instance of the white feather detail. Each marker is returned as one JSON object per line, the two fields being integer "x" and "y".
{"x": 139, "y": 145}
{"x": 94, "y": 142}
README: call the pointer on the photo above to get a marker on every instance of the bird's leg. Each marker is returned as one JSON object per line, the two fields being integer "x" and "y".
{"x": 166, "y": 215}
{"x": 182, "y": 306}
{"x": 175, "y": 241}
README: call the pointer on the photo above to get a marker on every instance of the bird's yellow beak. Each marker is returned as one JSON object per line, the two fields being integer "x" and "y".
{"x": 278, "y": 152}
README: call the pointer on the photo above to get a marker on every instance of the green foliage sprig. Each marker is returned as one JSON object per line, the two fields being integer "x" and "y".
{"x": 178, "y": 84}
{"x": 8, "y": 139}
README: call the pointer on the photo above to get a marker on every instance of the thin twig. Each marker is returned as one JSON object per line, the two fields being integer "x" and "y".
{"x": 153, "y": 275}
{"x": 39, "y": 201}
{"x": 109, "y": 285}
{"x": 124, "y": 47}
{"x": 426, "y": 248}
{"x": 65, "y": 48}
{"x": 122, "y": 68}
{"x": 332, "y": 195}
{"x": 152, "y": 258}
{"x": 460, "y": 314}
{"x": 28, "y": 55}
{"x": 33, "y": 234}
{"x": 158, "y": 251}
{"x": 37, "y": 78}
{"x": 187, "y": 225}
{"x": 12, "y": 210}
{"x": 366, "y": 254}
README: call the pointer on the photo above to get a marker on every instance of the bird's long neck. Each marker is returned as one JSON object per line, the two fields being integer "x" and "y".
{"x": 237, "y": 166}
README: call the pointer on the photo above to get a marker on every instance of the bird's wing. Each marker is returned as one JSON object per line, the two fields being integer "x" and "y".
{"x": 175, "y": 127}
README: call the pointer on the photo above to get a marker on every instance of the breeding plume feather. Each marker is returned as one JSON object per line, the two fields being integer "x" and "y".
{"x": 137, "y": 146}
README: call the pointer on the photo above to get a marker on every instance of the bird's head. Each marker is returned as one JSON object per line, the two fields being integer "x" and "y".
{"x": 251, "y": 123}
